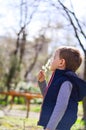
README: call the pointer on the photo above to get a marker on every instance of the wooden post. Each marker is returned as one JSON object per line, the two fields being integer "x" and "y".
{"x": 28, "y": 107}
{"x": 11, "y": 102}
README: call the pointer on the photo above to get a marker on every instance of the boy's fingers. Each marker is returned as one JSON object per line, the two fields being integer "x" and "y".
{"x": 42, "y": 72}
{"x": 41, "y": 75}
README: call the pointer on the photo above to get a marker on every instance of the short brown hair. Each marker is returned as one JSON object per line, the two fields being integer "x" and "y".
{"x": 72, "y": 57}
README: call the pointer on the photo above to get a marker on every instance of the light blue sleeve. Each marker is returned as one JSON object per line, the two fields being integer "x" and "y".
{"x": 42, "y": 86}
{"x": 61, "y": 105}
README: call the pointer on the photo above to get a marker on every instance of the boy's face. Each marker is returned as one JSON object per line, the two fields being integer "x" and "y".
{"x": 56, "y": 62}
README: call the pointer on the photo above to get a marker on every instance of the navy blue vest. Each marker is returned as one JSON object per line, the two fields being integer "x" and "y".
{"x": 50, "y": 101}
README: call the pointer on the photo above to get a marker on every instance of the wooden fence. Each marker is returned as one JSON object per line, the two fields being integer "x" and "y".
{"x": 27, "y": 96}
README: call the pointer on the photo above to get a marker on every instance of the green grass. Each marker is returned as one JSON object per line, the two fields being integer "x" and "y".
{"x": 79, "y": 125}
{"x": 33, "y": 107}
{"x": 17, "y": 123}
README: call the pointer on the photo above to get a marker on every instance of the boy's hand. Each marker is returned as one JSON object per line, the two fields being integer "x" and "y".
{"x": 41, "y": 76}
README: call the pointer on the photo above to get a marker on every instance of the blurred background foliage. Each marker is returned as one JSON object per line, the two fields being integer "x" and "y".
{"x": 29, "y": 39}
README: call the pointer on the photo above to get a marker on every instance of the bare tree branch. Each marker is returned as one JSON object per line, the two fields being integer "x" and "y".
{"x": 73, "y": 25}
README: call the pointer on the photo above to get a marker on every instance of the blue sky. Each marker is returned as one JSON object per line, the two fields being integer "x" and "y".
{"x": 9, "y": 15}
{"x": 79, "y": 7}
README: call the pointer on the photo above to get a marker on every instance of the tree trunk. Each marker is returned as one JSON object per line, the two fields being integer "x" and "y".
{"x": 84, "y": 100}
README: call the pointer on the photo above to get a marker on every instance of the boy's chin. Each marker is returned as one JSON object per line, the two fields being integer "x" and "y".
{"x": 52, "y": 69}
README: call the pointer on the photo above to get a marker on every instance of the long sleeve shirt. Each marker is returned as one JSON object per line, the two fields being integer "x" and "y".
{"x": 61, "y": 105}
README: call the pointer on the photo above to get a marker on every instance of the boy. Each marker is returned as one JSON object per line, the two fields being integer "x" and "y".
{"x": 60, "y": 104}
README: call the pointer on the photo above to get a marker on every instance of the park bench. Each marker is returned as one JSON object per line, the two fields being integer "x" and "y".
{"x": 28, "y": 96}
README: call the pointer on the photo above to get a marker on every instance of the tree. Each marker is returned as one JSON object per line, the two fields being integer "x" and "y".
{"x": 79, "y": 31}
{"x": 18, "y": 53}
{"x": 22, "y": 59}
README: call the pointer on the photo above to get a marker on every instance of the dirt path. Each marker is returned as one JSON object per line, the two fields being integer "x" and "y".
{"x": 21, "y": 113}
{"x": 16, "y": 111}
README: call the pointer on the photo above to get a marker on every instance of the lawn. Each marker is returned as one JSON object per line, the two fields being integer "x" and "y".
{"x": 17, "y": 123}
{"x": 22, "y": 123}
